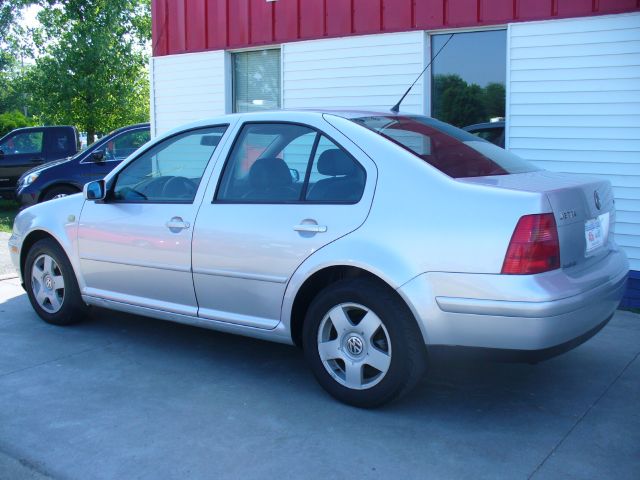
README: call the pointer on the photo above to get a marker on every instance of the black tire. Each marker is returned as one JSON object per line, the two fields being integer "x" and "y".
{"x": 56, "y": 192}
{"x": 71, "y": 307}
{"x": 402, "y": 342}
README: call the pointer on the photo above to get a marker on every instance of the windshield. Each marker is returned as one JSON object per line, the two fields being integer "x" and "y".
{"x": 454, "y": 152}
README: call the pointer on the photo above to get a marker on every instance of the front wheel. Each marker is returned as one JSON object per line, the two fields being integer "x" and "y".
{"x": 59, "y": 192}
{"x": 363, "y": 343}
{"x": 51, "y": 284}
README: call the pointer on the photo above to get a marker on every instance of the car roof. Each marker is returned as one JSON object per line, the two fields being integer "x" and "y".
{"x": 274, "y": 114}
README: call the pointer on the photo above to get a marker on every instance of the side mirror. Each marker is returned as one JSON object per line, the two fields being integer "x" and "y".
{"x": 94, "y": 190}
{"x": 97, "y": 156}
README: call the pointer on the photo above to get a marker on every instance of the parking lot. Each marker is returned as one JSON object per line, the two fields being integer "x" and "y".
{"x": 120, "y": 396}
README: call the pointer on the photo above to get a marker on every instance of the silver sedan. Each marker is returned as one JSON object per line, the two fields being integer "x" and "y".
{"x": 368, "y": 239}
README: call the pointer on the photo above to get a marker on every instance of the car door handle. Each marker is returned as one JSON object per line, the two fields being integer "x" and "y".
{"x": 176, "y": 223}
{"x": 310, "y": 227}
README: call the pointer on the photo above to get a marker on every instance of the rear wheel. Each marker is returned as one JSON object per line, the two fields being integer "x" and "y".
{"x": 363, "y": 343}
{"x": 59, "y": 192}
{"x": 51, "y": 284}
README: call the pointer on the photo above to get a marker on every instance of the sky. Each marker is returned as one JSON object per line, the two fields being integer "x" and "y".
{"x": 29, "y": 16}
{"x": 478, "y": 57}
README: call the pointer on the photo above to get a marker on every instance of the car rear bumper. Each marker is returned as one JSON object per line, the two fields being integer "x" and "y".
{"x": 529, "y": 313}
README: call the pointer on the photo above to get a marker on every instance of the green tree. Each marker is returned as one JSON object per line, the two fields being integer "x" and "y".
{"x": 93, "y": 69}
{"x": 494, "y": 99}
{"x": 12, "y": 120}
{"x": 457, "y": 102}
{"x": 14, "y": 49}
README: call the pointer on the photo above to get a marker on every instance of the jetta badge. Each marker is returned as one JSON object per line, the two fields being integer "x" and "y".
{"x": 596, "y": 197}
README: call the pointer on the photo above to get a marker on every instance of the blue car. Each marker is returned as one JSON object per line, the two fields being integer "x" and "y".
{"x": 67, "y": 176}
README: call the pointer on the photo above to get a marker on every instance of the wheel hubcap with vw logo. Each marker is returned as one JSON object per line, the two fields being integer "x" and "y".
{"x": 354, "y": 346}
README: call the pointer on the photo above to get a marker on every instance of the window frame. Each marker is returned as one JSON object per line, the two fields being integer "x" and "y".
{"x": 301, "y": 200}
{"x": 109, "y": 198}
{"x": 428, "y": 87}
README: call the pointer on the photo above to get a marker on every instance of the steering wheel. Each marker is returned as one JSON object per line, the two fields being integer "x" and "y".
{"x": 178, "y": 187}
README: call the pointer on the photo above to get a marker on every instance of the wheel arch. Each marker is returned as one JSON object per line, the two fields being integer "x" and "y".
{"x": 53, "y": 186}
{"x": 30, "y": 240}
{"x": 320, "y": 280}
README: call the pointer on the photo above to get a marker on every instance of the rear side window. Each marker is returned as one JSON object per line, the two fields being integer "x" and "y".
{"x": 454, "y": 152}
{"x": 289, "y": 163}
{"x": 62, "y": 141}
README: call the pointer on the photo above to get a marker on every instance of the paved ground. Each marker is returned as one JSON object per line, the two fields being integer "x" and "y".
{"x": 127, "y": 397}
{"x": 6, "y": 267}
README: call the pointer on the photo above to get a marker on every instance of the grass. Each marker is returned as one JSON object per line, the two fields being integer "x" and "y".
{"x": 8, "y": 211}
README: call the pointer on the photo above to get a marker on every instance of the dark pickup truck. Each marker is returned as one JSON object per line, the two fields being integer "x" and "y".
{"x": 24, "y": 148}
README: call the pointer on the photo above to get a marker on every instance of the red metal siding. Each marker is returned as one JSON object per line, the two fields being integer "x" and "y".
{"x": 181, "y": 26}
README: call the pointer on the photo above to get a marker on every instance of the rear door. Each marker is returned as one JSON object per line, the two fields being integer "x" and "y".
{"x": 286, "y": 191}
{"x": 20, "y": 152}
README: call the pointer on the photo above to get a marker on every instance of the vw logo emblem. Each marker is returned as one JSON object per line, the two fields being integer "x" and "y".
{"x": 596, "y": 198}
{"x": 355, "y": 346}
{"x": 48, "y": 282}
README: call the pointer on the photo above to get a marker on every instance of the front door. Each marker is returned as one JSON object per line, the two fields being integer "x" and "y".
{"x": 286, "y": 191}
{"x": 135, "y": 247}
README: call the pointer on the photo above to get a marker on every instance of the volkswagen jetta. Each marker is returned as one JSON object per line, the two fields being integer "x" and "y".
{"x": 368, "y": 239}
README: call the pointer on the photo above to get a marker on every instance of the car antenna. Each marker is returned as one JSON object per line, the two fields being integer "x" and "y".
{"x": 396, "y": 107}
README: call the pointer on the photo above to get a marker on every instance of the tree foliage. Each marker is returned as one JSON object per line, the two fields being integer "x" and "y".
{"x": 461, "y": 104}
{"x": 13, "y": 48}
{"x": 93, "y": 68}
{"x": 12, "y": 120}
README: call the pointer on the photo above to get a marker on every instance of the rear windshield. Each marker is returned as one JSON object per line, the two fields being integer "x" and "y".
{"x": 454, "y": 152}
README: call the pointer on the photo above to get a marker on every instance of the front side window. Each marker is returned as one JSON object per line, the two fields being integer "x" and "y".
{"x": 169, "y": 172}
{"x": 469, "y": 77}
{"x": 256, "y": 80}
{"x": 27, "y": 142}
{"x": 454, "y": 152}
{"x": 125, "y": 144}
{"x": 288, "y": 163}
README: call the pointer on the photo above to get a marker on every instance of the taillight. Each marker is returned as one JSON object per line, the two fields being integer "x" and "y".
{"x": 534, "y": 246}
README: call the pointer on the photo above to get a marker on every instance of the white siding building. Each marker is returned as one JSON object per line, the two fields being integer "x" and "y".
{"x": 572, "y": 93}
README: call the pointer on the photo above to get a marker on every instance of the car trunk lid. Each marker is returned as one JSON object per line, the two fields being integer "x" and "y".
{"x": 583, "y": 208}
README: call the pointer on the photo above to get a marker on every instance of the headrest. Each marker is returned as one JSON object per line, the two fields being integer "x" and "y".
{"x": 269, "y": 173}
{"x": 335, "y": 162}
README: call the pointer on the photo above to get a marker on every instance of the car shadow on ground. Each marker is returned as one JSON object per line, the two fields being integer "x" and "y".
{"x": 454, "y": 385}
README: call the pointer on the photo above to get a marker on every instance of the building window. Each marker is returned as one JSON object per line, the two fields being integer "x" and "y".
{"x": 468, "y": 77}
{"x": 256, "y": 80}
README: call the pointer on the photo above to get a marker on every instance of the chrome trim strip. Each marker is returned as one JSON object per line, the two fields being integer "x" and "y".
{"x": 159, "y": 266}
{"x": 243, "y": 275}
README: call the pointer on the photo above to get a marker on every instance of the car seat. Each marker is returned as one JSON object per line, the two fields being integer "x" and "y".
{"x": 345, "y": 182}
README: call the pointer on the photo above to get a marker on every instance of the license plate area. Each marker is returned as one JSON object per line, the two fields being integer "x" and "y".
{"x": 596, "y": 232}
